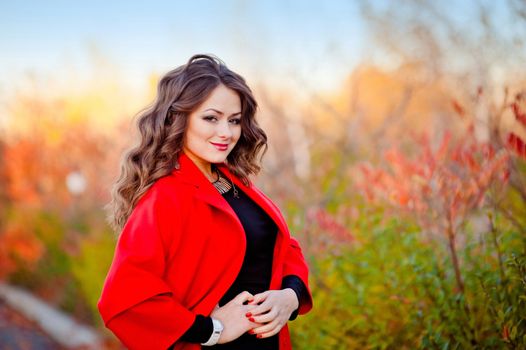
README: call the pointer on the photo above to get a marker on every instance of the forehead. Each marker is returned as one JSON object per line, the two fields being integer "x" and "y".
{"x": 223, "y": 99}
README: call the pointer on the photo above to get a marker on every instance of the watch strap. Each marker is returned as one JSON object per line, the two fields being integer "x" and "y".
{"x": 216, "y": 333}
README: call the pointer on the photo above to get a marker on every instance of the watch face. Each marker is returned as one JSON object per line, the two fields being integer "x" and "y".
{"x": 217, "y": 325}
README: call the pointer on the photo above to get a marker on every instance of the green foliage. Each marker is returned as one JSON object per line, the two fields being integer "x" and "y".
{"x": 393, "y": 290}
{"x": 75, "y": 261}
{"x": 91, "y": 267}
{"x": 365, "y": 296}
{"x": 55, "y": 263}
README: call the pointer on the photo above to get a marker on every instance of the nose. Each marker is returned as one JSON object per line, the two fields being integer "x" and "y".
{"x": 224, "y": 129}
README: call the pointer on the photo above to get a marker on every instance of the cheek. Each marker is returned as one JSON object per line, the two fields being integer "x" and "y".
{"x": 197, "y": 133}
{"x": 237, "y": 134}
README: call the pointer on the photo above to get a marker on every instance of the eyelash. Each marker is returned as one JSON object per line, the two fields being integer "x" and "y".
{"x": 210, "y": 118}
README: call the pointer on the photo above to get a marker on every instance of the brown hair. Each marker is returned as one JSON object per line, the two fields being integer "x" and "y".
{"x": 162, "y": 127}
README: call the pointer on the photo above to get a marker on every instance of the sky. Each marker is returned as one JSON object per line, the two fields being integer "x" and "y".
{"x": 297, "y": 46}
{"x": 316, "y": 42}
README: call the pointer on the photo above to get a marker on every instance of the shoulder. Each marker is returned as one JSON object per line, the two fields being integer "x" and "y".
{"x": 162, "y": 209}
{"x": 172, "y": 185}
{"x": 167, "y": 191}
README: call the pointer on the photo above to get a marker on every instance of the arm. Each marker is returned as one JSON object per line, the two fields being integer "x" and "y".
{"x": 295, "y": 265}
{"x": 294, "y": 282}
{"x": 200, "y": 331}
{"x": 232, "y": 316}
{"x": 136, "y": 303}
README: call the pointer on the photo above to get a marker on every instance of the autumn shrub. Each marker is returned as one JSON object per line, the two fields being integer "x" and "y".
{"x": 68, "y": 267}
{"x": 365, "y": 293}
{"x": 492, "y": 301}
{"x": 435, "y": 255}
{"x": 390, "y": 289}
{"x": 53, "y": 237}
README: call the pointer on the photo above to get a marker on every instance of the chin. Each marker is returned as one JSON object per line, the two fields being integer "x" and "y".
{"x": 217, "y": 159}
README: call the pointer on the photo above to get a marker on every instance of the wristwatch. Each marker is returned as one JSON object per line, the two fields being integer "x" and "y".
{"x": 214, "y": 338}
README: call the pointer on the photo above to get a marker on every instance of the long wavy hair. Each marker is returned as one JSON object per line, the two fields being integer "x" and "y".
{"x": 162, "y": 129}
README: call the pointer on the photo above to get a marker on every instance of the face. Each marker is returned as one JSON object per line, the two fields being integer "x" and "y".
{"x": 214, "y": 128}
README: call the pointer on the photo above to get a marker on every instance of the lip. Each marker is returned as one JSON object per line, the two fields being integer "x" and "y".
{"x": 220, "y": 146}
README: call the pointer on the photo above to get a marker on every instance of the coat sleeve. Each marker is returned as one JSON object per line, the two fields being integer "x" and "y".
{"x": 296, "y": 265}
{"x": 136, "y": 303}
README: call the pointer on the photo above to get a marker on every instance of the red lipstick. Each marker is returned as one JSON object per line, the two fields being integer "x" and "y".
{"x": 220, "y": 146}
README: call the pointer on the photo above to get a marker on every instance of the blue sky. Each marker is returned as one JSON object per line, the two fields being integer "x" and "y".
{"x": 263, "y": 39}
{"x": 294, "y": 43}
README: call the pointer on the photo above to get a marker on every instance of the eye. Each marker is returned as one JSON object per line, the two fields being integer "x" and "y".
{"x": 235, "y": 121}
{"x": 210, "y": 118}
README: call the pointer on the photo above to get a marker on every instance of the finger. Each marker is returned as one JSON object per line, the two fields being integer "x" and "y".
{"x": 265, "y": 306}
{"x": 265, "y": 318}
{"x": 270, "y": 333}
{"x": 248, "y": 310}
{"x": 268, "y": 328}
{"x": 260, "y": 297}
{"x": 242, "y": 297}
{"x": 252, "y": 325}
{"x": 261, "y": 309}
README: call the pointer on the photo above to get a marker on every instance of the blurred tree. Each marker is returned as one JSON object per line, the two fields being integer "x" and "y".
{"x": 476, "y": 47}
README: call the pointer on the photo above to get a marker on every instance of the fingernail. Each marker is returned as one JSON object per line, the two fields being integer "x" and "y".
{"x": 251, "y": 332}
{"x": 259, "y": 335}
{"x": 251, "y": 319}
{"x": 248, "y": 314}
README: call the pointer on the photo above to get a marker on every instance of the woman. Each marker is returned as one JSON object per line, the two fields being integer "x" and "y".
{"x": 204, "y": 258}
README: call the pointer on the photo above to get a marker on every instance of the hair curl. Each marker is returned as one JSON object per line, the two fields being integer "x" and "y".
{"x": 162, "y": 128}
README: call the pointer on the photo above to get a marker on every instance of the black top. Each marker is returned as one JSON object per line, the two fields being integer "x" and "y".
{"x": 254, "y": 276}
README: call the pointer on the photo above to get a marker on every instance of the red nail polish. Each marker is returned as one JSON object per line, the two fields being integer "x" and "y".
{"x": 251, "y": 332}
{"x": 251, "y": 319}
{"x": 248, "y": 314}
{"x": 259, "y": 336}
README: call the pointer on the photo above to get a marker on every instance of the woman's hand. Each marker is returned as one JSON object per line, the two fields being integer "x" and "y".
{"x": 233, "y": 316}
{"x": 273, "y": 311}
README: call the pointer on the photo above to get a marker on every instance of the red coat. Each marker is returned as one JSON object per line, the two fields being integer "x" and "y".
{"x": 179, "y": 252}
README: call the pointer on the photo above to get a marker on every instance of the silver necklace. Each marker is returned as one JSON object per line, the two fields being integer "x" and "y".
{"x": 223, "y": 185}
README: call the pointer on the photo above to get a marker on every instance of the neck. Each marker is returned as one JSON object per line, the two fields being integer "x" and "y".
{"x": 204, "y": 166}
{"x": 207, "y": 171}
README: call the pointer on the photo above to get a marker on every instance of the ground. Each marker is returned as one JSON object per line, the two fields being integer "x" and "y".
{"x": 18, "y": 333}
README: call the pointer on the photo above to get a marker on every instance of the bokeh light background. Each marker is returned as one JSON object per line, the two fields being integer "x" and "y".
{"x": 339, "y": 83}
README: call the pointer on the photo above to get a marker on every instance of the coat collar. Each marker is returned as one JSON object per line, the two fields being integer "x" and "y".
{"x": 188, "y": 172}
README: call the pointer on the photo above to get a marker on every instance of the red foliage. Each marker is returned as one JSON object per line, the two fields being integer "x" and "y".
{"x": 519, "y": 114}
{"x": 517, "y": 144}
{"x": 437, "y": 184}
{"x": 461, "y": 111}
{"x": 505, "y": 333}
{"x": 34, "y": 172}
{"x": 22, "y": 169}
{"x": 514, "y": 141}
{"x": 18, "y": 247}
{"x": 328, "y": 224}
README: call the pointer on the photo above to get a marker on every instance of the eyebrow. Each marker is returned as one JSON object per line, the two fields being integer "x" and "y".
{"x": 219, "y": 112}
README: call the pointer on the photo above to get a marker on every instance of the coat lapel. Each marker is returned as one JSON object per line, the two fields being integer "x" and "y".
{"x": 259, "y": 198}
{"x": 190, "y": 173}
{"x": 205, "y": 191}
